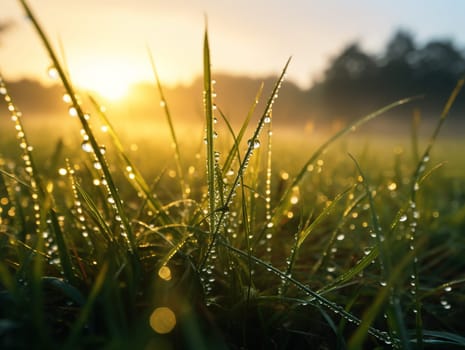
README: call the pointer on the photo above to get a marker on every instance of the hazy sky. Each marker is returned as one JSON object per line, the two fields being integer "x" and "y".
{"x": 107, "y": 39}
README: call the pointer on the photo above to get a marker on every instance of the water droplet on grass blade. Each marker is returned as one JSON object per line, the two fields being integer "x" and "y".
{"x": 52, "y": 73}
{"x": 72, "y": 111}
{"x": 66, "y": 98}
{"x": 255, "y": 143}
{"x": 86, "y": 147}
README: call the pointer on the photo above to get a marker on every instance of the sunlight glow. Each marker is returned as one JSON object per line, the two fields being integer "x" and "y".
{"x": 111, "y": 80}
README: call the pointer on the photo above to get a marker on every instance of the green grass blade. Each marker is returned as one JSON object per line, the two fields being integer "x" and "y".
{"x": 412, "y": 205}
{"x": 309, "y": 229}
{"x": 210, "y": 150}
{"x": 164, "y": 105}
{"x": 396, "y": 313}
{"x": 126, "y": 233}
{"x": 132, "y": 173}
{"x": 237, "y": 140}
{"x": 314, "y": 296}
{"x": 63, "y": 251}
{"x": 278, "y": 210}
{"x": 87, "y": 308}
{"x": 357, "y": 339}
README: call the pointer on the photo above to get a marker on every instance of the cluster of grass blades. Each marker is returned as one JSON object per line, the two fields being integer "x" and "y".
{"x": 248, "y": 258}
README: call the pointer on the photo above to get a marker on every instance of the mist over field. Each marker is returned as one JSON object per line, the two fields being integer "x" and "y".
{"x": 354, "y": 84}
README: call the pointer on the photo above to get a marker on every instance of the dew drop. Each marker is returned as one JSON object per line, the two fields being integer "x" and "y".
{"x": 86, "y": 147}
{"x": 403, "y": 218}
{"x": 255, "y": 143}
{"x": 52, "y": 73}
{"x": 111, "y": 200}
{"x": 267, "y": 119}
{"x": 72, "y": 111}
{"x": 66, "y": 98}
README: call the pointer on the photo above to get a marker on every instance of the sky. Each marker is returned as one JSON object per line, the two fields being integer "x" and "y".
{"x": 104, "y": 42}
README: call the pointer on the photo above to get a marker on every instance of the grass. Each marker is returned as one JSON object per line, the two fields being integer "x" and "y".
{"x": 230, "y": 249}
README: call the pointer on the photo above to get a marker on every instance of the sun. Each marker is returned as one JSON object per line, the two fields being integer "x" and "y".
{"x": 110, "y": 80}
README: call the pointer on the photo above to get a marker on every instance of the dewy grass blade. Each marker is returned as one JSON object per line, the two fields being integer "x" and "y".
{"x": 316, "y": 297}
{"x": 127, "y": 234}
{"x": 252, "y": 145}
{"x": 278, "y": 212}
{"x": 210, "y": 149}
{"x": 413, "y": 211}
{"x": 63, "y": 251}
{"x": 237, "y": 140}
{"x": 87, "y": 308}
{"x": 396, "y": 314}
{"x": 38, "y": 193}
{"x": 131, "y": 171}
{"x": 164, "y": 105}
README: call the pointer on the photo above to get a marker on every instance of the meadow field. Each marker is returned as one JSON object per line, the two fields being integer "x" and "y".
{"x": 116, "y": 234}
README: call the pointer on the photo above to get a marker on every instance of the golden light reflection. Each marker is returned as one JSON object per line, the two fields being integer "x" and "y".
{"x": 162, "y": 320}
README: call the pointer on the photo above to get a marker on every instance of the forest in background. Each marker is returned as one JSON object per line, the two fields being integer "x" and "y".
{"x": 354, "y": 84}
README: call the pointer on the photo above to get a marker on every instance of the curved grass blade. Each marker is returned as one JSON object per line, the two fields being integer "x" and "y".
{"x": 278, "y": 210}
{"x": 385, "y": 264}
{"x": 210, "y": 137}
{"x": 303, "y": 234}
{"x": 249, "y": 151}
{"x": 132, "y": 173}
{"x": 315, "y": 297}
{"x": 237, "y": 140}
{"x": 357, "y": 339}
{"x": 113, "y": 192}
{"x": 63, "y": 251}
{"x": 164, "y": 105}
{"x": 87, "y": 308}
{"x": 412, "y": 205}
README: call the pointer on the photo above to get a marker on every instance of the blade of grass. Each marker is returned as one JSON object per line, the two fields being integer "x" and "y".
{"x": 132, "y": 173}
{"x": 164, "y": 105}
{"x": 248, "y": 154}
{"x": 63, "y": 251}
{"x": 385, "y": 264}
{"x": 87, "y": 308}
{"x": 237, "y": 140}
{"x": 316, "y": 297}
{"x": 412, "y": 205}
{"x": 278, "y": 212}
{"x": 127, "y": 233}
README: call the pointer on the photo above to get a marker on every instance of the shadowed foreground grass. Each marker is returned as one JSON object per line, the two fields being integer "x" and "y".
{"x": 235, "y": 244}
